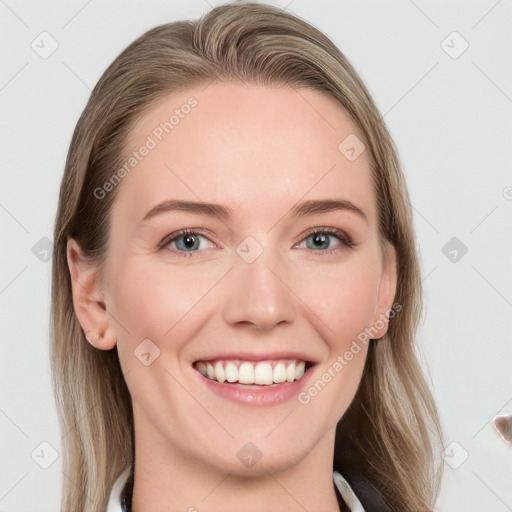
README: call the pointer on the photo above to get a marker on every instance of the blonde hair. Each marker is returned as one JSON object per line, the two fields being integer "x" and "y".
{"x": 389, "y": 432}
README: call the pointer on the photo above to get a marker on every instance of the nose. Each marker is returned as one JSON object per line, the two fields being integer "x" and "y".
{"x": 259, "y": 294}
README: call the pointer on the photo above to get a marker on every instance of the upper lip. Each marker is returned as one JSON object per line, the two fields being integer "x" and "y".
{"x": 258, "y": 357}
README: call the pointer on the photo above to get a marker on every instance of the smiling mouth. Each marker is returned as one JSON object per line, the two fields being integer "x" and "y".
{"x": 263, "y": 373}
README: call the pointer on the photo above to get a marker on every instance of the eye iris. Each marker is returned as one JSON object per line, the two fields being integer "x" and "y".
{"x": 320, "y": 241}
{"x": 190, "y": 242}
{"x": 319, "y": 238}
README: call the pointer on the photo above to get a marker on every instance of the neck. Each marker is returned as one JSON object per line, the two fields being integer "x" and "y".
{"x": 168, "y": 479}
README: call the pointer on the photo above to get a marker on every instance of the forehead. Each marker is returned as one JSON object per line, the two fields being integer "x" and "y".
{"x": 243, "y": 145}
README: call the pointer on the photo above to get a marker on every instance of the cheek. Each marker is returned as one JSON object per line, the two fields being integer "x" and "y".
{"x": 156, "y": 301}
{"x": 343, "y": 297}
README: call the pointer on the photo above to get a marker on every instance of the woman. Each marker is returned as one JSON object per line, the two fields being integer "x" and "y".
{"x": 235, "y": 283}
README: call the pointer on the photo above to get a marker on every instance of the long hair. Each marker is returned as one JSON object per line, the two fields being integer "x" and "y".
{"x": 391, "y": 428}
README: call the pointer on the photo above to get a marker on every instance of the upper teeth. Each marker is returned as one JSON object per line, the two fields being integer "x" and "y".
{"x": 247, "y": 372}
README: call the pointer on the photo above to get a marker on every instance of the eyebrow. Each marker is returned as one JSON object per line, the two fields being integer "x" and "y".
{"x": 304, "y": 208}
{"x": 313, "y": 207}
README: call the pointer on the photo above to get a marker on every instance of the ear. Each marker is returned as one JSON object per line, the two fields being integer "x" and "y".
{"x": 88, "y": 300}
{"x": 387, "y": 290}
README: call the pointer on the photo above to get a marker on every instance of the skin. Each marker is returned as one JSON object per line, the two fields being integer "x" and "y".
{"x": 258, "y": 150}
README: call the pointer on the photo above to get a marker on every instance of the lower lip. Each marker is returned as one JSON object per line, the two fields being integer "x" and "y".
{"x": 256, "y": 395}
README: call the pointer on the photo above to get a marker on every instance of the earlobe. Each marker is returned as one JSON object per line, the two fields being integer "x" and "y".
{"x": 101, "y": 341}
{"x": 387, "y": 291}
{"x": 88, "y": 299}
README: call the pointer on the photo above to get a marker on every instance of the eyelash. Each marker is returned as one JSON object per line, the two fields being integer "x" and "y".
{"x": 343, "y": 237}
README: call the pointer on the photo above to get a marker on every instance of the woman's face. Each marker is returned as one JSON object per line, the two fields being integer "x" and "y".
{"x": 251, "y": 282}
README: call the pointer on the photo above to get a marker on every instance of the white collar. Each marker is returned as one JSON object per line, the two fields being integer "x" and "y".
{"x": 353, "y": 503}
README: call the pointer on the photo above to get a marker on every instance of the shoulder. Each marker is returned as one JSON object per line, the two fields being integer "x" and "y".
{"x": 347, "y": 493}
{"x": 357, "y": 487}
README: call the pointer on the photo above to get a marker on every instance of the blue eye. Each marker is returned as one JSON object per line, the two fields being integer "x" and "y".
{"x": 321, "y": 240}
{"x": 188, "y": 241}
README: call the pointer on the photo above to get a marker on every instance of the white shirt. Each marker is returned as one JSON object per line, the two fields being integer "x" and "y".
{"x": 353, "y": 503}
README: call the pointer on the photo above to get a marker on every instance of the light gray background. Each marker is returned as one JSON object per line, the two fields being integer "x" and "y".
{"x": 451, "y": 121}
